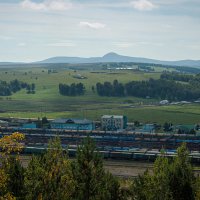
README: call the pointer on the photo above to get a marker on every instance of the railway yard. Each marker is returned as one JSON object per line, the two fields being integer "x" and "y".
{"x": 112, "y": 145}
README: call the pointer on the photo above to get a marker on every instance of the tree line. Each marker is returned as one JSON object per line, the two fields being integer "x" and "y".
{"x": 181, "y": 69}
{"x": 53, "y": 176}
{"x": 8, "y": 88}
{"x": 71, "y": 90}
{"x": 159, "y": 89}
{"x": 110, "y": 89}
{"x": 193, "y": 80}
{"x": 166, "y": 87}
{"x": 180, "y": 77}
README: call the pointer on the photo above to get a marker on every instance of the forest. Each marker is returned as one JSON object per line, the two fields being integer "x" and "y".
{"x": 180, "y": 77}
{"x": 159, "y": 89}
{"x": 53, "y": 176}
{"x": 71, "y": 90}
{"x": 193, "y": 80}
{"x": 8, "y": 88}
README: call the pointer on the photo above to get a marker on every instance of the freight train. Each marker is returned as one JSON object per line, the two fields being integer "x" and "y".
{"x": 126, "y": 154}
{"x": 111, "y": 141}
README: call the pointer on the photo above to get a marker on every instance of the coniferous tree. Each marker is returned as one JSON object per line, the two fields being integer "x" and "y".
{"x": 169, "y": 181}
{"x": 92, "y": 182}
{"x": 182, "y": 180}
{"x": 15, "y": 181}
{"x": 50, "y": 176}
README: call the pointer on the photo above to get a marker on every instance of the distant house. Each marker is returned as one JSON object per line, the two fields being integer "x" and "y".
{"x": 164, "y": 102}
{"x": 79, "y": 76}
{"x": 149, "y": 128}
{"x": 72, "y": 124}
{"x": 113, "y": 122}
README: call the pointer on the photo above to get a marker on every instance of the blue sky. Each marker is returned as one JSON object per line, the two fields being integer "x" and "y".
{"x": 32, "y": 30}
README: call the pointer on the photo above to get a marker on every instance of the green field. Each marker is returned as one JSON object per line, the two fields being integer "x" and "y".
{"x": 48, "y": 102}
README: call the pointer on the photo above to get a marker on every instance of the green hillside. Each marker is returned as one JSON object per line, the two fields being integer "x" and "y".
{"x": 48, "y": 102}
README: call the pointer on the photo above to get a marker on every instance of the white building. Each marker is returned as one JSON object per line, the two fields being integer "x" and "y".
{"x": 164, "y": 102}
{"x": 113, "y": 122}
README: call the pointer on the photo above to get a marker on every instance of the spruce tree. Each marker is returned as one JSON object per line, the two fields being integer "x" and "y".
{"x": 15, "y": 172}
{"x": 49, "y": 177}
{"x": 92, "y": 182}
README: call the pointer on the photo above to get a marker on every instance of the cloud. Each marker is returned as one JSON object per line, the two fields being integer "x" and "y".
{"x": 158, "y": 44}
{"x": 94, "y": 25}
{"x": 21, "y": 44}
{"x": 62, "y": 44}
{"x": 123, "y": 44}
{"x": 193, "y": 46}
{"x": 4, "y": 37}
{"x": 143, "y": 5}
{"x": 46, "y": 5}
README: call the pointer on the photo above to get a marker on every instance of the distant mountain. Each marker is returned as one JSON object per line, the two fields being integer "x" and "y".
{"x": 110, "y": 57}
{"x": 8, "y": 63}
{"x": 11, "y": 64}
{"x": 113, "y": 57}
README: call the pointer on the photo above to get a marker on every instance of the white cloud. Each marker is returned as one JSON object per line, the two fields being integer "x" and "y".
{"x": 94, "y": 25}
{"x": 62, "y": 44}
{"x": 123, "y": 44}
{"x": 143, "y": 5}
{"x": 4, "y": 37}
{"x": 54, "y": 5}
{"x": 21, "y": 44}
{"x": 167, "y": 26}
{"x": 158, "y": 44}
{"x": 194, "y": 46}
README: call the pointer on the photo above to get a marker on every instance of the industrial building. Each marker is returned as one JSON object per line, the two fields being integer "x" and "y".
{"x": 72, "y": 124}
{"x": 148, "y": 128}
{"x": 29, "y": 125}
{"x": 113, "y": 122}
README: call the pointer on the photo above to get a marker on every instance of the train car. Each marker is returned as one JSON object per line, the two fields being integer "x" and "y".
{"x": 34, "y": 150}
{"x": 120, "y": 155}
{"x": 72, "y": 152}
{"x": 105, "y": 154}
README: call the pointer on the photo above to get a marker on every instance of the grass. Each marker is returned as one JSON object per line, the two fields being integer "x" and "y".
{"x": 48, "y": 102}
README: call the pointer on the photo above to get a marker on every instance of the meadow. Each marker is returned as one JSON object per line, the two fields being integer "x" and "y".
{"x": 48, "y": 102}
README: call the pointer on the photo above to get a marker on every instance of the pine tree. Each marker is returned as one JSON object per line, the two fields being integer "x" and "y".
{"x": 15, "y": 172}
{"x": 49, "y": 177}
{"x": 182, "y": 180}
{"x": 92, "y": 182}
{"x": 169, "y": 181}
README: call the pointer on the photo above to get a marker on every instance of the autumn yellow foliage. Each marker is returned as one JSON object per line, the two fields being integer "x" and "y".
{"x": 11, "y": 143}
{"x": 8, "y": 197}
{"x": 8, "y": 144}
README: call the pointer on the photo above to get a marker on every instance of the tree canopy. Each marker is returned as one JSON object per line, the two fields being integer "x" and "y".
{"x": 53, "y": 176}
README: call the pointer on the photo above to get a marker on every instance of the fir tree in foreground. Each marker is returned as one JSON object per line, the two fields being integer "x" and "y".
{"x": 54, "y": 177}
{"x": 49, "y": 177}
{"x": 173, "y": 180}
{"x": 92, "y": 182}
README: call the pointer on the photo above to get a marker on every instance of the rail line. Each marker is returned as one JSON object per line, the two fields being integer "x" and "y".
{"x": 115, "y": 145}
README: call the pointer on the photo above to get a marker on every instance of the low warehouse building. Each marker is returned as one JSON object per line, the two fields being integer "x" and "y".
{"x": 29, "y": 125}
{"x": 72, "y": 124}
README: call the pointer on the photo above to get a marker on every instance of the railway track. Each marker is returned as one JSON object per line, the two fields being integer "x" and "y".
{"x": 128, "y": 145}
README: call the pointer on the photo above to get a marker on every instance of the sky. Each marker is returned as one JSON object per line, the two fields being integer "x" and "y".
{"x": 33, "y": 30}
